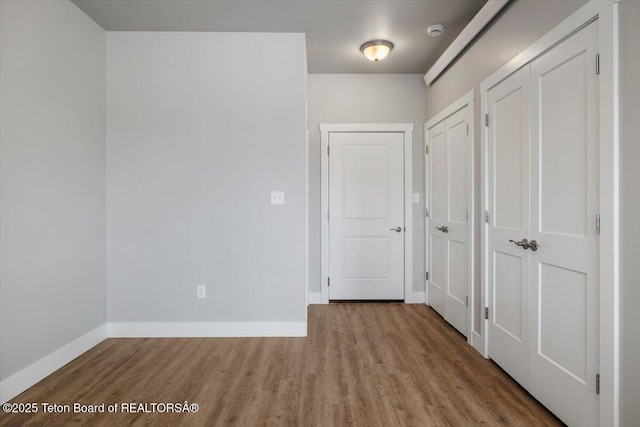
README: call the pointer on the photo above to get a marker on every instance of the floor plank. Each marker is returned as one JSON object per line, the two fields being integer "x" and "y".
{"x": 361, "y": 365}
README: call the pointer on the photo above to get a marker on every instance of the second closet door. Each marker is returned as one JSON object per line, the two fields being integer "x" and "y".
{"x": 564, "y": 205}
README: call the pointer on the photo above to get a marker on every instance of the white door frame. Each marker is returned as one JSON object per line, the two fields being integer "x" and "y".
{"x": 606, "y": 11}
{"x": 407, "y": 129}
{"x": 468, "y": 100}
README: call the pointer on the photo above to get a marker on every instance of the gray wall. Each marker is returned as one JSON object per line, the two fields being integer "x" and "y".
{"x": 200, "y": 128}
{"x": 52, "y": 211}
{"x": 365, "y": 98}
{"x": 521, "y": 23}
{"x": 630, "y": 215}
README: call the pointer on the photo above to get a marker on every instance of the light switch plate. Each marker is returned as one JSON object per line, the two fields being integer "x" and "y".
{"x": 277, "y": 197}
{"x": 416, "y": 197}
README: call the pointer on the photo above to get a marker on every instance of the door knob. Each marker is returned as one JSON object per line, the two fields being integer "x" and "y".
{"x": 526, "y": 244}
{"x": 397, "y": 229}
{"x": 444, "y": 229}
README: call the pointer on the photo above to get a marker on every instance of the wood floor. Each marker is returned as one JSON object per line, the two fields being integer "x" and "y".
{"x": 362, "y": 364}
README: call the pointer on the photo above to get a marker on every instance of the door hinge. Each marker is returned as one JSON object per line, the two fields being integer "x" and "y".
{"x": 466, "y": 301}
{"x": 426, "y": 276}
{"x": 597, "y": 223}
{"x": 327, "y": 150}
{"x": 467, "y": 214}
{"x": 426, "y": 212}
{"x": 328, "y": 281}
{"x": 327, "y": 215}
{"x": 486, "y": 120}
{"x": 426, "y": 149}
{"x": 486, "y": 313}
{"x": 597, "y": 383}
{"x": 467, "y": 128}
{"x": 486, "y": 217}
{"x": 597, "y": 64}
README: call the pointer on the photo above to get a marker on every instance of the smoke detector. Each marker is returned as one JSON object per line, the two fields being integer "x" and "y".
{"x": 435, "y": 30}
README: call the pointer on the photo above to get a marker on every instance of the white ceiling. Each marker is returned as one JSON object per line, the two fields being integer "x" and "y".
{"x": 334, "y": 29}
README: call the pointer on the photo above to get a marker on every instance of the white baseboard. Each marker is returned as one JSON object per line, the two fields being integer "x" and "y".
{"x": 22, "y": 380}
{"x": 415, "y": 298}
{"x": 315, "y": 298}
{"x": 206, "y": 329}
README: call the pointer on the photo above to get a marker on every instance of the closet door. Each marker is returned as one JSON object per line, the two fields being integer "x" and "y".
{"x": 437, "y": 217}
{"x": 564, "y": 203}
{"x": 455, "y": 237}
{"x": 448, "y": 220}
{"x": 508, "y": 202}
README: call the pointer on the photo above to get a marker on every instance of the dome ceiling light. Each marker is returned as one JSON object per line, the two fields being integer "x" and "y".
{"x": 376, "y": 50}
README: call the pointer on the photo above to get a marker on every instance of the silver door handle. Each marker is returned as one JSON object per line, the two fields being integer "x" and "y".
{"x": 397, "y": 229}
{"x": 526, "y": 244}
{"x": 444, "y": 229}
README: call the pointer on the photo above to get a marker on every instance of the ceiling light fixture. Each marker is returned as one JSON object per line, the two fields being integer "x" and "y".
{"x": 435, "y": 30}
{"x": 376, "y": 50}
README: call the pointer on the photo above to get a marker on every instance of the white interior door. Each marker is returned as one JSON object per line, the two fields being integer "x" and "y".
{"x": 508, "y": 201}
{"x": 564, "y": 187}
{"x": 366, "y": 216}
{"x": 448, "y": 220}
{"x": 457, "y": 212}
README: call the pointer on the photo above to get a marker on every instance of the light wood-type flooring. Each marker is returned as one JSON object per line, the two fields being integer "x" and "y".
{"x": 362, "y": 364}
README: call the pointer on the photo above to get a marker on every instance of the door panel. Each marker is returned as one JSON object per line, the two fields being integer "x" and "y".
{"x": 457, "y": 169}
{"x": 366, "y": 257}
{"x": 508, "y": 314}
{"x": 457, "y": 277}
{"x": 366, "y": 201}
{"x": 508, "y": 192}
{"x": 437, "y": 156}
{"x": 437, "y": 278}
{"x": 457, "y": 286}
{"x": 509, "y": 163}
{"x": 563, "y": 300}
{"x": 564, "y": 186}
{"x": 365, "y": 194}
{"x": 561, "y": 144}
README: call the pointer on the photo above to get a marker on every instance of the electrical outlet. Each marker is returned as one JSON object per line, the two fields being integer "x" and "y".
{"x": 277, "y": 197}
{"x": 201, "y": 291}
